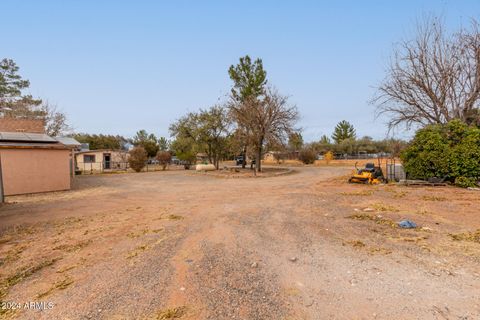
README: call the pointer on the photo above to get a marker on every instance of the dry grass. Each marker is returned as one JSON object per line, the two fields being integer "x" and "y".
{"x": 171, "y": 313}
{"x": 60, "y": 285}
{"x": 356, "y": 243}
{"x": 467, "y": 236}
{"x": 376, "y": 219}
{"x": 73, "y": 248}
{"x": 12, "y": 254}
{"x": 379, "y": 250}
{"x": 134, "y": 235}
{"x": 415, "y": 239}
{"x": 174, "y": 217}
{"x": 400, "y": 194}
{"x": 383, "y": 207}
{"x": 433, "y": 198}
{"x": 137, "y": 251}
{"x": 67, "y": 268}
{"x": 21, "y": 274}
{"x": 358, "y": 193}
{"x": 5, "y": 239}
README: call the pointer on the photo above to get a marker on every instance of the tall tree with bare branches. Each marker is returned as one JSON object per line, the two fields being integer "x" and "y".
{"x": 268, "y": 120}
{"x": 249, "y": 82}
{"x": 433, "y": 78}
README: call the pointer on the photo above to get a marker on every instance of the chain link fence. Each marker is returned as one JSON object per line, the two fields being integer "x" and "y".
{"x": 112, "y": 167}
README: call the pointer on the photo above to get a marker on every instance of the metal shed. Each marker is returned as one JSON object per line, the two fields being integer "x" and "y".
{"x": 32, "y": 163}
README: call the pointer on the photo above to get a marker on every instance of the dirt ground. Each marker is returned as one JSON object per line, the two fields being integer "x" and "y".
{"x": 177, "y": 245}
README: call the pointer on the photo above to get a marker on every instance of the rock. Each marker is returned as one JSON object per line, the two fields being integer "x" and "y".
{"x": 407, "y": 224}
{"x": 254, "y": 265}
{"x": 182, "y": 289}
{"x": 293, "y": 259}
{"x": 368, "y": 210}
{"x": 205, "y": 167}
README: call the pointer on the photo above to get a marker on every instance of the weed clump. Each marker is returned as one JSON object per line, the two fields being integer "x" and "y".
{"x": 433, "y": 198}
{"x": 171, "y": 313}
{"x": 21, "y": 274}
{"x": 358, "y": 193}
{"x": 60, "y": 285}
{"x": 383, "y": 207}
{"x": 467, "y": 236}
{"x": 376, "y": 219}
{"x": 356, "y": 243}
{"x": 174, "y": 217}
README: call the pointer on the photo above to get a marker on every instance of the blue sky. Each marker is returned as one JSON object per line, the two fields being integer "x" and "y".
{"x": 120, "y": 66}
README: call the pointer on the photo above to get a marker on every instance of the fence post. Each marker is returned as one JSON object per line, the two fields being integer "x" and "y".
{"x": 2, "y": 198}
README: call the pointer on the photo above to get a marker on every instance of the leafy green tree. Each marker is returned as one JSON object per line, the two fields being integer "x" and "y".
{"x": 322, "y": 146}
{"x": 205, "y": 131}
{"x": 347, "y": 146}
{"x": 147, "y": 141}
{"x": 295, "y": 141}
{"x": 214, "y": 134}
{"x": 451, "y": 151}
{"x": 343, "y": 130}
{"x": 366, "y": 144}
{"x": 324, "y": 139}
{"x": 163, "y": 144}
{"x": 14, "y": 103}
{"x": 188, "y": 158}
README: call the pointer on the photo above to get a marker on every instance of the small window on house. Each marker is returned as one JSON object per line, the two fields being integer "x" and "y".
{"x": 88, "y": 158}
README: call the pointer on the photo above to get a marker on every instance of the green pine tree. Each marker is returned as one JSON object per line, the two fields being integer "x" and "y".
{"x": 343, "y": 130}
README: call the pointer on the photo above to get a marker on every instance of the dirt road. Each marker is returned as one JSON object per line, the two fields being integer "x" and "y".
{"x": 301, "y": 246}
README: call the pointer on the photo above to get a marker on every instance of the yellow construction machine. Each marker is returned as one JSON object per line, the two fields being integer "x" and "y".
{"x": 371, "y": 174}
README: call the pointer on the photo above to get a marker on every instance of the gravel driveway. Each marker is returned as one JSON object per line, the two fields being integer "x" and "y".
{"x": 301, "y": 246}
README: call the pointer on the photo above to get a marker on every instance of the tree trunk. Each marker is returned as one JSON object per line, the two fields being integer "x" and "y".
{"x": 258, "y": 160}
{"x": 244, "y": 157}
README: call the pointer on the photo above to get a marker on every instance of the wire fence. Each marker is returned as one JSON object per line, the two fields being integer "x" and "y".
{"x": 113, "y": 166}
{"x": 340, "y": 156}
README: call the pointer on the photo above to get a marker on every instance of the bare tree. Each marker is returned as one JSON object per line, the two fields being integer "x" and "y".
{"x": 270, "y": 119}
{"x": 13, "y": 103}
{"x": 432, "y": 79}
{"x": 55, "y": 120}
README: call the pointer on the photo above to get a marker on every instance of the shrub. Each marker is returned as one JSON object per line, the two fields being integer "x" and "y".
{"x": 451, "y": 151}
{"x": 465, "y": 182}
{"x": 137, "y": 159}
{"x": 328, "y": 157}
{"x": 188, "y": 158}
{"x": 307, "y": 156}
{"x": 279, "y": 156}
{"x": 164, "y": 158}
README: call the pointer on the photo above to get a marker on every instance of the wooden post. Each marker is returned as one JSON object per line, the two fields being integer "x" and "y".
{"x": 2, "y": 198}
